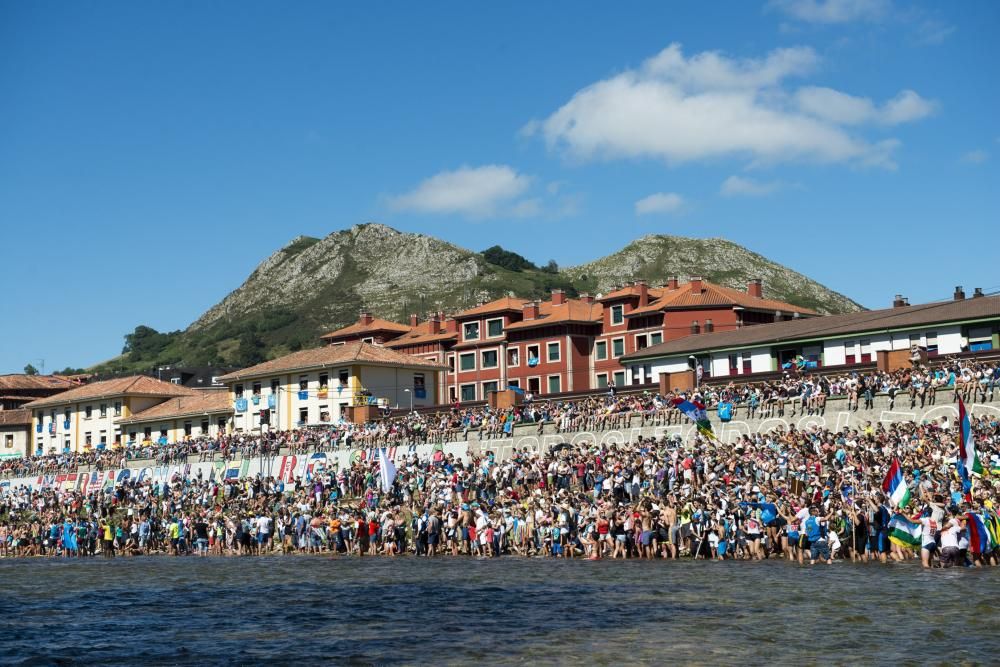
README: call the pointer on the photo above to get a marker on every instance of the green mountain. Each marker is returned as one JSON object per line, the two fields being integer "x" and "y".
{"x": 312, "y": 286}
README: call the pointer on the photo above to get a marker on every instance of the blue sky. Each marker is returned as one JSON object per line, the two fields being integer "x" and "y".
{"x": 152, "y": 154}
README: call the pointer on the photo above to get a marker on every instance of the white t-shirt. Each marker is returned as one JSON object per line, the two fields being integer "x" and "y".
{"x": 949, "y": 536}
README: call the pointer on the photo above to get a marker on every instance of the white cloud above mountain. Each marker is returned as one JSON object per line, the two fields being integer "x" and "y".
{"x": 478, "y": 192}
{"x": 659, "y": 203}
{"x": 711, "y": 106}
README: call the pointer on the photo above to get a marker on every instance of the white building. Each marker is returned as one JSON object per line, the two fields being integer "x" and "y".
{"x": 207, "y": 413}
{"x": 842, "y": 341}
{"x": 317, "y": 386}
{"x": 15, "y": 433}
{"x": 86, "y": 417}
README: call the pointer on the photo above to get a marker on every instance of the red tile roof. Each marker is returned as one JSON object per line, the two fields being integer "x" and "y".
{"x": 205, "y": 401}
{"x": 711, "y": 295}
{"x": 359, "y": 327}
{"x": 15, "y": 417}
{"x": 136, "y": 385}
{"x": 415, "y": 338}
{"x": 355, "y": 352}
{"x": 571, "y": 311}
{"x": 20, "y": 382}
{"x": 503, "y": 305}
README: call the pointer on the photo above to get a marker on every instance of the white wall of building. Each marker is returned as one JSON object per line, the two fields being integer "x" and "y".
{"x": 15, "y": 441}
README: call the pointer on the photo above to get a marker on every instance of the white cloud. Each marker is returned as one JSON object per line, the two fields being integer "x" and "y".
{"x": 473, "y": 191}
{"x": 977, "y": 156}
{"x": 832, "y": 11}
{"x": 710, "y": 106}
{"x": 660, "y": 202}
{"x": 738, "y": 186}
{"x": 844, "y": 109}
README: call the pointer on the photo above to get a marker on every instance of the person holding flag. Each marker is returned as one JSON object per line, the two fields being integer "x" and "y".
{"x": 968, "y": 461}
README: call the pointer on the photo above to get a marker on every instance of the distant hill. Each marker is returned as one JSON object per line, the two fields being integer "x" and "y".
{"x": 312, "y": 286}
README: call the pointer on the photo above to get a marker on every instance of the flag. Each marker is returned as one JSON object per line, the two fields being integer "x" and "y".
{"x": 699, "y": 372}
{"x": 894, "y": 486}
{"x": 968, "y": 460}
{"x": 695, "y": 411}
{"x": 387, "y": 470}
{"x": 904, "y": 532}
{"x": 979, "y": 538}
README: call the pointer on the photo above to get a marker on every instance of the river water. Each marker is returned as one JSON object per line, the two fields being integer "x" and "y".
{"x": 307, "y": 610}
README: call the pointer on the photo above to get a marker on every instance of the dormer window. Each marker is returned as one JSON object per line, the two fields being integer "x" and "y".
{"x": 617, "y": 314}
{"x": 470, "y": 330}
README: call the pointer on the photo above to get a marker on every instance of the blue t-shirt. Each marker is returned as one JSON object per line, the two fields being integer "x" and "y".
{"x": 813, "y": 530}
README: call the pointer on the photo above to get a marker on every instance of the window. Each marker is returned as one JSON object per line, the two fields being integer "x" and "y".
{"x": 602, "y": 380}
{"x": 932, "y": 344}
{"x": 470, "y": 330}
{"x": 513, "y": 357}
{"x": 514, "y": 383}
{"x": 601, "y": 352}
{"x": 451, "y": 363}
{"x": 175, "y": 380}
{"x": 494, "y": 328}
{"x": 344, "y": 376}
{"x": 489, "y": 359}
{"x": 655, "y": 338}
{"x": 452, "y": 396}
{"x": 734, "y": 364}
{"x": 8, "y": 441}
{"x": 104, "y": 410}
{"x": 617, "y": 314}
{"x": 866, "y": 350}
{"x": 617, "y": 347}
{"x": 324, "y": 380}
{"x": 467, "y": 362}
{"x": 468, "y": 392}
{"x": 850, "y": 354}
{"x": 419, "y": 386}
{"x": 255, "y": 389}
{"x": 747, "y": 366}
{"x": 370, "y": 340}
{"x": 980, "y": 339}
{"x": 303, "y": 415}
{"x": 489, "y": 387}
{"x": 619, "y": 378}
{"x": 204, "y": 427}
{"x": 275, "y": 383}
{"x": 222, "y": 424}
{"x": 303, "y": 382}
{"x": 88, "y": 412}
{"x": 147, "y": 432}
{"x": 118, "y": 409}
{"x": 238, "y": 390}
{"x": 188, "y": 429}
{"x": 104, "y": 438}
{"x": 552, "y": 351}
{"x": 641, "y": 342}
{"x": 324, "y": 413}
{"x": 532, "y": 355}
{"x": 555, "y": 384}
{"x": 88, "y": 440}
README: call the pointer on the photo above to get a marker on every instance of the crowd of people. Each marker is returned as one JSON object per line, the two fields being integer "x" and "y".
{"x": 795, "y": 393}
{"x": 812, "y": 495}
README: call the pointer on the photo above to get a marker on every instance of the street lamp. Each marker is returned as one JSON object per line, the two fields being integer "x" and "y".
{"x": 411, "y": 398}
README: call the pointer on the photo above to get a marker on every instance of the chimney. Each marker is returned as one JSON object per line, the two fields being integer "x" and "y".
{"x": 899, "y": 301}
{"x": 587, "y": 298}
{"x": 959, "y": 293}
{"x": 643, "y": 289}
{"x": 978, "y": 293}
{"x": 366, "y": 318}
{"x": 672, "y": 282}
{"x": 530, "y": 310}
{"x": 696, "y": 284}
{"x": 755, "y": 288}
{"x": 558, "y": 297}
{"x": 451, "y": 325}
{"x": 414, "y": 320}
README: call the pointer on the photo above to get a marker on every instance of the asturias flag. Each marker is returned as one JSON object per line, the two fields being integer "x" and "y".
{"x": 894, "y": 486}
